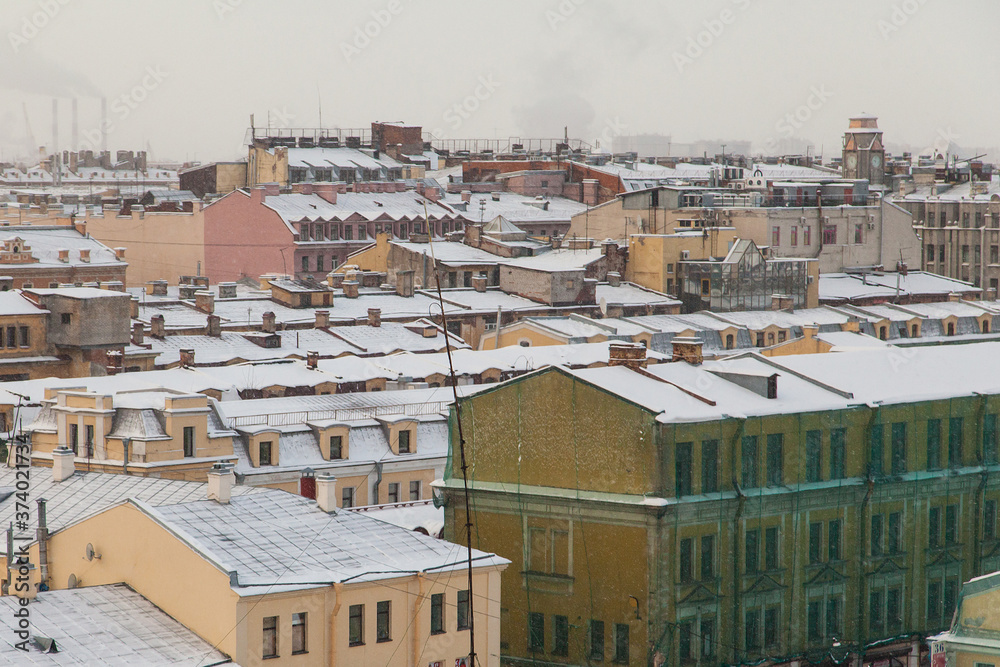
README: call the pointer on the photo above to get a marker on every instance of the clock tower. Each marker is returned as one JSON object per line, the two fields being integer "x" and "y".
{"x": 864, "y": 153}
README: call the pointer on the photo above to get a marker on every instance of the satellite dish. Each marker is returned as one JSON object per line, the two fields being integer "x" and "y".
{"x": 604, "y": 306}
{"x": 73, "y": 581}
{"x": 91, "y": 553}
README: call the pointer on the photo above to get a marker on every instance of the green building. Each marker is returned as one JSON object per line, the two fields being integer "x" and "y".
{"x": 734, "y": 511}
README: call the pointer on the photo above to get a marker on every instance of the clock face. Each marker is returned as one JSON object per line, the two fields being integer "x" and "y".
{"x": 876, "y": 160}
{"x": 852, "y": 160}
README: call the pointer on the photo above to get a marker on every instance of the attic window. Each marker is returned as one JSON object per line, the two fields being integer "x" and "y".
{"x": 404, "y": 442}
{"x": 265, "y": 453}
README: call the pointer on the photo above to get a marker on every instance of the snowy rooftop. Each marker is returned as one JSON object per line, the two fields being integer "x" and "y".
{"x": 516, "y": 208}
{"x": 629, "y": 294}
{"x": 45, "y": 242}
{"x": 107, "y": 625}
{"x": 844, "y": 286}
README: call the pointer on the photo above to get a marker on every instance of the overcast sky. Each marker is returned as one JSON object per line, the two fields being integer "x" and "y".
{"x": 185, "y": 75}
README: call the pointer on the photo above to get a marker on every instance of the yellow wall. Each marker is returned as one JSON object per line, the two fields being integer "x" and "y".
{"x": 513, "y": 334}
{"x": 650, "y": 255}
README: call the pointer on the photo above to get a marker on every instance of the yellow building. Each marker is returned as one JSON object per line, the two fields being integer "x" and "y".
{"x": 277, "y": 579}
{"x": 974, "y": 637}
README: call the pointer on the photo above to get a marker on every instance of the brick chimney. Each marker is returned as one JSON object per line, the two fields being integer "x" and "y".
{"x": 466, "y": 195}
{"x": 220, "y": 483}
{"x": 322, "y": 319}
{"x": 350, "y": 288}
{"x": 687, "y": 348}
{"x": 187, "y": 357}
{"x": 120, "y": 253}
{"x": 63, "y": 255}
{"x": 327, "y": 191}
{"x": 159, "y": 287}
{"x": 134, "y": 307}
{"x": 214, "y": 327}
{"x": 63, "y": 466}
{"x": 374, "y": 317}
{"x": 404, "y": 283}
{"x": 479, "y": 283}
{"x": 632, "y": 355}
{"x": 268, "y": 322}
{"x": 85, "y": 255}
{"x": 157, "y": 329}
{"x": 137, "y": 333}
{"x": 614, "y": 278}
{"x": 312, "y": 359}
{"x": 204, "y": 301}
{"x": 326, "y": 492}
{"x": 781, "y": 302}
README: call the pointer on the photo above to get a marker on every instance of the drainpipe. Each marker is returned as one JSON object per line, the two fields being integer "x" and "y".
{"x": 737, "y": 539}
{"x": 331, "y": 650}
{"x": 415, "y": 631}
{"x": 980, "y": 490}
{"x": 869, "y": 488}
{"x": 496, "y": 344}
{"x": 42, "y": 535}
{"x": 378, "y": 481}
{"x": 125, "y": 443}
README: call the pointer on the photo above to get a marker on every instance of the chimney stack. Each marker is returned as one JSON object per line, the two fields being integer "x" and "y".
{"x": 214, "y": 327}
{"x": 134, "y": 305}
{"x": 204, "y": 300}
{"x": 632, "y": 355}
{"x": 120, "y": 253}
{"x": 350, "y": 288}
{"x": 326, "y": 492}
{"x": 220, "y": 483}
{"x": 187, "y": 357}
{"x": 268, "y": 324}
{"x": 479, "y": 283}
{"x": 404, "y": 283}
{"x": 312, "y": 359}
{"x": 137, "y": 333}
{"x": 614, "y": 278}
{"x": 63, "y": 466}
{"x": 374, "y": 317}
{"x": 157, "y": 329}
{"x": 687, "y": 348}
{"x": 159, "y": 287}
{"x": 322, "y": 319}
{"x": 782, "y": 302}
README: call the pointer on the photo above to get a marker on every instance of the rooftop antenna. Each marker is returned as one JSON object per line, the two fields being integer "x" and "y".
{"x": 461, "y": 447}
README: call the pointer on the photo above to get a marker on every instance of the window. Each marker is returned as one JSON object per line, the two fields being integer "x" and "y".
{"x": 833, "y": 540}
{"x": 707, "y": 637}
{"x": 536, "y": 631}
{"x": 794, "y": 235}
{"x": 750, "y": 462}
{"x": 894, "y": 539}
{"x": 383, "y": 621}
{"x": 934, "y": 602}
{"x": 941, "y": 253}
{"x": 687, "y": 560}
{"x": 463, "y": 610}
{"x": 597, "y": 640}
{"x": 771, "y": 627}
{"x": 951, "y": 525}
{"x": 806, "y": 236}
{"x": 66, "y": 318}
{"x": 990, "y": 438}
{"x": 829, "y": 234}
{"x": 771, "y": 548}
{"x": 415, "y": 490}
{"x": 305, "y": 263}
{"x": 833, "y": 617}
{"x": 25, "y": 336}
{"x": 837, "y": 437}
{"x": 356, "y": 622}
{"x": 393, "y": 492}
{"x": 362, "y": 232}
{"x": 11, "y": 336}
{"x": 774, "y": 459}
{"x": 775, "y": 236}
{"x": 684, "y": 640}
{"x": 404, "y": 442}
{"x": 893, "y": 610}
{"x": 876, "y": 535}
{"x": 265, "y": 453}
{"x": 437, "y": 613}
{"x": 560, "y": 635}
{"x": 815, "y": 541}
{"x": 348, "y": 232}
{"x": 930, "y": 253}
{"x": 858, "y": 234}
{"x": 188, "y": 441}
{"x": 336, "y": 447}
{"x": 347, "y": 497}
{"x": 876, "y": 440}
{"x": 933, "y": 444}
{"x": 813, "y": 621}
{"x": 270, "y": 637}
{"x": 990, "y": 519}
{"x": 709, "y": 466}
{"x": 299, "y": 633}
{"x": 621, "y": 643}
{"x": 934, "y": 527}
{"x": 707, "y": 557}
{"x": 706, "y": 286}
{"x": 682, "y": 469}
{"x": 954, "y": 442}
{"x": 88, "y": 439}
{"x": 898, "y": 448}
{"x": 730, "y": 342}
{"x": 814, "y": 455}
{"x": 74, "y": 438}
{"x": 751, "y": 629}
{"x": 752, "y": 559}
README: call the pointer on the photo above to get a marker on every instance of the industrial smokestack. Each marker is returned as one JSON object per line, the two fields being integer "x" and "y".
{"x": 56, "y": 170}
{"x": 75, "y": 137}
{"x": 104, "y": 124}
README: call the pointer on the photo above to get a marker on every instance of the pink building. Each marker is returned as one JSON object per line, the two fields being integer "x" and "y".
{"x": 311, "y": 230}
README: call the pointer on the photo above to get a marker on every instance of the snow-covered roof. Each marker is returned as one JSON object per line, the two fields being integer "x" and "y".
{"x": 561, "y": 259}
{"x": 108, "y": 625}
{"x": 45, "y": 242}
{"x": 850, "y": 286}
{"x": 515, "y": 208}
{"x": 370, "y": 206}
{"x": 340, "y": 157}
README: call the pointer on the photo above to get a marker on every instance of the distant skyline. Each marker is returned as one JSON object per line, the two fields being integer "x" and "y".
{"x": 183, "y": 77}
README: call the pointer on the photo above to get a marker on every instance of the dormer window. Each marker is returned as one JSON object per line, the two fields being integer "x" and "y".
{"x": 404, "y": 442}
{"x": 265, "y": 452}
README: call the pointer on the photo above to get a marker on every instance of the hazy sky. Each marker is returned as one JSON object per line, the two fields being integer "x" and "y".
{"x": 185, "y": 75}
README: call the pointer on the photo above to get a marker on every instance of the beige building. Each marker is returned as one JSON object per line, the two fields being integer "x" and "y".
{"x": 307, "y": 585}
{"x": 974, "y": 637}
